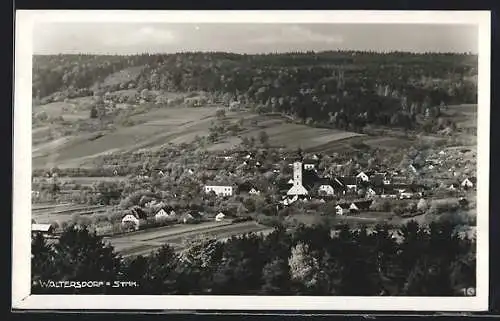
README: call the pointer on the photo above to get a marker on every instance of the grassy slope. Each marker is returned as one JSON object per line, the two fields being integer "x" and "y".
{"x": 179, "y": 125}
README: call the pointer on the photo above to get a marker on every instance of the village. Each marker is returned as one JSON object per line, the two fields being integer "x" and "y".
{"x": 297, "y": 182}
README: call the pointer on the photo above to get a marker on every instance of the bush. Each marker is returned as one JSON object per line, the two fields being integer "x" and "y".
{"x": 242, "y": 219}
{"x": 268, "y": 220}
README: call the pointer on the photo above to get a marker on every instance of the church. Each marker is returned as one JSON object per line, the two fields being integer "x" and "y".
{"x": 297, "y": 188}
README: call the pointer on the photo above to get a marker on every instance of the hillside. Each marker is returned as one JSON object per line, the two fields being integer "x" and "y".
{"x": 177, "y": 125}
{"x": 346, "y": 89}
{"x": 86, "y": 106}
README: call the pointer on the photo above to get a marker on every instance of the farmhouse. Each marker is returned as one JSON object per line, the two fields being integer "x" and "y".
{"x": 287, "y": 200}
{"x": 468, "y": 182}
{"x": 349, "y": 182}
{"x": 363, "y": 177}
{"x": 330, "y": 187}
{"x": 163, "y": 215}
{"x": 309, "y": 164}
{"x": 195, "y": 101}
{"x": 254, "y": 191}
{"x": 130, "y": 221}
{"x": 341, "y": 209}
{"x": 134, "y": 218}
{"x": 234, "y": 105}
{"x": 220, "y": 188}
{"x": 370, "y": 192}
{"x": 45, "y": 229}
{"x": 414, "y": 168}
{"x": 356, "y": 207}
{"x": 190, "y": 217}
{"x": 220, "y": 217}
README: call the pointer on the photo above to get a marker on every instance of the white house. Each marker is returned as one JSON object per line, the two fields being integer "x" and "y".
{"x": 187, "y": 218}
{"x": 234, "y": 105}
{"x": 290, "y": 181}
{"x": 220, "y": 189}
{"x": 309, "y": 166}
{"x": 220, "y": 217}
{"x": 341, "y": 209}
{"x": 348, "y": 182}
{"x": 406, "y": 195}
{"x": 130, "y": 220}
{"x": 371, "y": 192}
{"x": 161, "y": 215}
{"x": 353, "y": 207}
{"x": 288, "y": 201}
{"x": 468, "y": 182}
{"x": 442, "y": 152}
{"x": 326, "y": 189}
{"x": 362, "y": 176}
{"x": 254, "y": 191}
{"x": 297, "y": 188}
{"x": 45, "y": 229}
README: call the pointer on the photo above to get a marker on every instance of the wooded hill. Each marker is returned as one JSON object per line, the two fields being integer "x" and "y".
{"x": 347, "y": 89}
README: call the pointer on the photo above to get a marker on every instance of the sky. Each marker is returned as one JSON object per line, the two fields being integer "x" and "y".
{"x": 131, "y": 38}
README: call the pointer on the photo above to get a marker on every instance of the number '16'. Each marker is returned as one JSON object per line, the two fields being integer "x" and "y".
{"x": 469, "y": 291}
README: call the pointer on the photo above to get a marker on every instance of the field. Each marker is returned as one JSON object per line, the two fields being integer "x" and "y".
{"x": 176, "y": 125}
{"x": 465, "y": 116}
{"x": 47, "y": 214}
{"x": 141, "y": 243}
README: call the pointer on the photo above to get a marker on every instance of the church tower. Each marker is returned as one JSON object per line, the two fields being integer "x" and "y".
{"x": 297, "y": 188}
{"x": 297, "y": 173}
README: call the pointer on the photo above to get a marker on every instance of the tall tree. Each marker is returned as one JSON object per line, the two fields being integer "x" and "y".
{"x": 82, "y": 255}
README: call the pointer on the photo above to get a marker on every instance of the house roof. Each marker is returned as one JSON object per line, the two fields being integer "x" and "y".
{"x": 363, "y": 205}
{"x": 377, "y": 180}
{"x": 245, "y": 186}
{"x": 473, "y": 179}
{"x": 369, "y": 173}
{"x": 310, "y": 178}
{"x": 310, "y": 161}
{"x": 347, "y": 180}
{"x": 331, "y": 182}
{"x": 344, "y": 206}
{"x": 41, "y": 227}
{"x": 220, "y": 183}
{"x": 416, "y": 166}
{"x": 138, "y": 212}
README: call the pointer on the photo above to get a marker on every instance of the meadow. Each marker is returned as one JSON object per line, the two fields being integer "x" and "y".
{"x": 176, "y": 125}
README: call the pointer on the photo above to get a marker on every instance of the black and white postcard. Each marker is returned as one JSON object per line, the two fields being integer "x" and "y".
{"x": 329, "y": 160}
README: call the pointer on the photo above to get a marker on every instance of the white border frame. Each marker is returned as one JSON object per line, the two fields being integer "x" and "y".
{"x": 21, "y": 279}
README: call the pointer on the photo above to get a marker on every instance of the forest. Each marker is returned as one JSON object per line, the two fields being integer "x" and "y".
{"x": 344, "y": 88}
{"x": 410, "y": 260}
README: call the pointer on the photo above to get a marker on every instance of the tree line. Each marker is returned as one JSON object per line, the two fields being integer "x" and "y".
{"x": 410, "y": 260}
{"x": 347, "y": 89}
